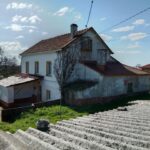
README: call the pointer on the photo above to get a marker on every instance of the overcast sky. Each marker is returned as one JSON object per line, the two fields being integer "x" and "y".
{"x": 25, "y": 22}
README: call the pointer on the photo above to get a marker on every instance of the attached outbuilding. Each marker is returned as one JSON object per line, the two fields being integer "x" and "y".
{"x": 19, "y": 89}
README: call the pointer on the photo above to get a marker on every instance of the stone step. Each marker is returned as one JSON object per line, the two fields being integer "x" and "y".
{"x": 107, "y": 142}
{"x": 115, "y": 126}
{"x": 108, "y": 135}
{"x": 33, "y": 142}
{"x": 144, "y": 130}
{"x": 109, "y": 129}
{"x": 53, "y": 140}
{"x": 77, "y": 140}
{"x": 4, "y": 143}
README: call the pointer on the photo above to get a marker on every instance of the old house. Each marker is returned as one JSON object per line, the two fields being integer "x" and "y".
{"x": 97, "y": 74}
{"x": 146, "y": 68}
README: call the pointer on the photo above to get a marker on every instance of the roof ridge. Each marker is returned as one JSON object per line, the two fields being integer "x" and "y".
{"x": 65, "y": 34}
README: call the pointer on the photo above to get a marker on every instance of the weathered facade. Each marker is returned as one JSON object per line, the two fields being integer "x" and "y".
{"x": 96, "y": 75}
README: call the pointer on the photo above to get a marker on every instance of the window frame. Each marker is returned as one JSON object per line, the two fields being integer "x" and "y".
{"x": 48, "y": 68}
{"x": 27, "y": 67}
{"x": 48, "y": 95}
{"x": 86, "y": 44}
{"x": 36, "y": 67}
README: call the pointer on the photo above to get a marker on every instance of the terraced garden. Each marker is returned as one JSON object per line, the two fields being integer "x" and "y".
{"x": 108, "y": 130}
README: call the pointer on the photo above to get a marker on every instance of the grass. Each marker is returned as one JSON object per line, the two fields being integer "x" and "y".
{"x": 29, "y": 118}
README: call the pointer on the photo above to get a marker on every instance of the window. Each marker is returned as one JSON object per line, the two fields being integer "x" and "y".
{"x": 48, "y": 94}
{"x": 36, "y": 67}
{"x": 27, "y": 67}
{"x": 48, "y": 68}
{"x": 86, "y": 44}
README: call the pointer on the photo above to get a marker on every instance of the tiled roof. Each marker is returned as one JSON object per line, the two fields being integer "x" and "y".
{"x": 55, "y": 43}
{"x": 115, "y": 69}
{"x": 60, "y": 42}
{"x": 146, "y": 66}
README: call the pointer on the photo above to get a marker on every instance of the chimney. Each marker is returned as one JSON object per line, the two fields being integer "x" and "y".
{"x": 74, "y": 29}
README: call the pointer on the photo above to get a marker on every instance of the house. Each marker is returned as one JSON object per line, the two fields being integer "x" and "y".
{"x": 97, "y": 74}
{"x": 146, "y": 68}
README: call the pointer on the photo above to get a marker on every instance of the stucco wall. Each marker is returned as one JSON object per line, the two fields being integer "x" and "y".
{"x": 49, "y": 82}
{"x": 110, "y": 86}
{"x": 96, "y": 47}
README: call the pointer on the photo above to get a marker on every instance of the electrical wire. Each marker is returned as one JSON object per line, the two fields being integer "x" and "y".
{"x": 140, "y": 12}
{"x": 89, "y": 14}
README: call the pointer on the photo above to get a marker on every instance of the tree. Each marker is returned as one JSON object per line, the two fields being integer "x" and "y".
{"x": 1, "y": 55}
{"x": 64, "y": 66}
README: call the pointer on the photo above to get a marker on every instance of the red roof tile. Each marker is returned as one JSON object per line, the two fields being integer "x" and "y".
{"x": 55, "y": 43}
{"x": 59, "y": 42}
{"x": 115, "y": 69}
{"x": 146, "y": 66}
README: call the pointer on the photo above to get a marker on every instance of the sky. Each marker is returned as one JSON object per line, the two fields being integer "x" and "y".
{"x": 24, "y": 23}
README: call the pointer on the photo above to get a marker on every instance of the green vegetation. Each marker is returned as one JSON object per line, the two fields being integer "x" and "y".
{"x": 29, "y": 118}
{"x": 52, "y": 113}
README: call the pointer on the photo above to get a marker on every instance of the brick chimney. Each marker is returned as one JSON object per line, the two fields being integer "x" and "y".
{"x": 74, "y": 29}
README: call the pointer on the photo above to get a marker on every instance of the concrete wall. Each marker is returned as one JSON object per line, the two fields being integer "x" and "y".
{"x": 7, "y": 94}
{"x": 109, "y": 86}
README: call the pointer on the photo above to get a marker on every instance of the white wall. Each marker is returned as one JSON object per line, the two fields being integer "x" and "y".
{"x": 48, "y": 83}
{"x": 7, "y": 94}
{"x": 97, "y": 45}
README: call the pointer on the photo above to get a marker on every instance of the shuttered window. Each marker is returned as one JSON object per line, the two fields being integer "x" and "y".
{"x": 48, "y": 94}
{"x": 86, "y": 44}
{"x": 48, "y": 68}
{"x": 36, "y": 67}
{"x": 27, "y": 67}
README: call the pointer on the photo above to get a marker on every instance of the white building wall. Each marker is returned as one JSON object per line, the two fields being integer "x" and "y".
{"x": 7, "y": 94}
{"x": 96, "y": 47}
{"x": 49, "y": 82}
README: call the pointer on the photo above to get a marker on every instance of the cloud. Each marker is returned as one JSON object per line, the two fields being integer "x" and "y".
{"x": 20, "y": 37}
{"x": 128, "y": 52}
{"x": 139, "y": 22}
{"x": 134, "y": 36}
{"x": 15, "y": 5}
{"x": 31, "y": 30}
{"x": 77, "y": 17}
{"x": 147, "y": 24}
{"x": 18, "y": 28}
{"x": 15, "y": 27}
{"x": 103, "y": 19}
{"x": 13, "y": 48}
{"x": 62, "y": 11}
{"x": 33, "y": 19}
{"x": 44, "y": 33}
{"x": 106, "y": 37}
{"x": 133, "y": 46}
{"x": 123, "y": 29}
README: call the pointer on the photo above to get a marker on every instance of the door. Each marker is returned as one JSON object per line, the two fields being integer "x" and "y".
{"x": 130, "y": 87}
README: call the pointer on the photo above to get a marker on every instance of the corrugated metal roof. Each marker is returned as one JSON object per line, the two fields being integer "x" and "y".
{"x": 18, "y": 79}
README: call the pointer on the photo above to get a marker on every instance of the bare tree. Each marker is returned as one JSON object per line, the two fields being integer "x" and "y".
{"x": 64, "y": 66}
{"x": 1, "y": 55}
